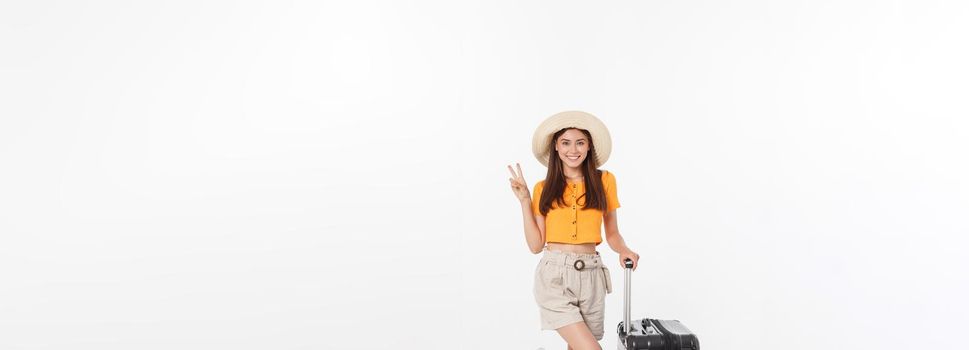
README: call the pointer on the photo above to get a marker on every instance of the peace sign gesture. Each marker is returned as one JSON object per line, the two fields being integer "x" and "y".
{"x": 518, "y": 184}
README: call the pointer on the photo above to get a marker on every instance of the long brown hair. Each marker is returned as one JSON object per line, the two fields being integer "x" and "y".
{"x": 555, "y": 182}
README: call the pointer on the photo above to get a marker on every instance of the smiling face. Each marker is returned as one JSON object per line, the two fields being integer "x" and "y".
{"x": 572, "y": 147}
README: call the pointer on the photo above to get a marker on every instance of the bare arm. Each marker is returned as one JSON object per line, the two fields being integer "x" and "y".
{"x": 615, "y": 240}
{"x": 534, "y": 223}
{"x": 534, "y": 228}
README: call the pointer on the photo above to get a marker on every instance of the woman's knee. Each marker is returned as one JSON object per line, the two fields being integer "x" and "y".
{"x": 579, "y": 337}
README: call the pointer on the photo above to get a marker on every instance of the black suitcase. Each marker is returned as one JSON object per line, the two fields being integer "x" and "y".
{"x": 650, "y": 333}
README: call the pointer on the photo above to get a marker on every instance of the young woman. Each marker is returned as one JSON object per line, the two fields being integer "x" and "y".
{"x": 563, "y": 220}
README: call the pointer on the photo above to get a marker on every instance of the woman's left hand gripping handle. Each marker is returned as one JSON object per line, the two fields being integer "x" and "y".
{"x": 631, "y": 256}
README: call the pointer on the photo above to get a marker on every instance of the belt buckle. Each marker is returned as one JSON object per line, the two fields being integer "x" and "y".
{"x": 578, "y": 264}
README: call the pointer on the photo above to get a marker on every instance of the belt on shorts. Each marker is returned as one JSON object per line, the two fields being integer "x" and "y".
{"x": 581, "y": 263}
{"x": 576, "y": 262}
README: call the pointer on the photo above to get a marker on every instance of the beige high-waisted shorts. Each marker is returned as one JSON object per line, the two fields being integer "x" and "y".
{"x": 572, "y": 287}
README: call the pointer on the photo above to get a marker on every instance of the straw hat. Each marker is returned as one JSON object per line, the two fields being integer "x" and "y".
{"x": 571, "y": 119}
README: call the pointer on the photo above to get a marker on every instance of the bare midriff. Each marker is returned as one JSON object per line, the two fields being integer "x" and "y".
{"x": 583, "y": 248}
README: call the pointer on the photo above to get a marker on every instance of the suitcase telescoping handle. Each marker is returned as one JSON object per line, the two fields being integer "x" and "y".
{"x": 625, "y": 297}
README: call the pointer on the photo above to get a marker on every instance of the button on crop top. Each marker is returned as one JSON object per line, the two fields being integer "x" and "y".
{"x": 573, "y": 224}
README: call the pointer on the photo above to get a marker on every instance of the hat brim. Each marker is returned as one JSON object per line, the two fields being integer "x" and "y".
{"x": 572, "y": 119}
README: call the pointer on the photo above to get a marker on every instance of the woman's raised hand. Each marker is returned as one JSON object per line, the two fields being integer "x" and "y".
{"x": 518, "y": 184}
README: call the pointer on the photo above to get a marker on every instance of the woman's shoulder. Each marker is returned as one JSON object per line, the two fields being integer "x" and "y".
{"x": 608, "y": 177}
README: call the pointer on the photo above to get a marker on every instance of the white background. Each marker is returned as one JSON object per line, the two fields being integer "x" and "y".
{"x": 332, "y": 175}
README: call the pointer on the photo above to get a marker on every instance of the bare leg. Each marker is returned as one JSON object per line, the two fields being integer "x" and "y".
{"x": 579, "y": 337}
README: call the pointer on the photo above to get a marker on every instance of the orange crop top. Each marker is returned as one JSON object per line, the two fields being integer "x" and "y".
{"x": 573, "y": 224}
